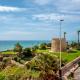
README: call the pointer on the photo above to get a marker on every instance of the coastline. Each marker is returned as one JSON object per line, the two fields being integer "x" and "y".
{"x": 9, "y": 44}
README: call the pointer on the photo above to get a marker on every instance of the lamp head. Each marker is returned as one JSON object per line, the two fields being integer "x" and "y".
{"x": 61, "y": 20}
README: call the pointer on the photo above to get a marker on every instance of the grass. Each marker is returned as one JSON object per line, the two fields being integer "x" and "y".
{"x": 8, "y": 52}
{"x": 65, "y": 55}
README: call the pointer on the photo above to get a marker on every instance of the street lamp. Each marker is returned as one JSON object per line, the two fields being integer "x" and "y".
{"x": 60, "y": 73}
{"x": 60, "y": 39}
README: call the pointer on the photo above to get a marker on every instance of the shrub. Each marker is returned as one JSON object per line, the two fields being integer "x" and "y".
{"x": 79, "y": 64}
{"x": 43, "y": 46}
{"x": 44, "y": 62}
{"x": 48, "y": 44}
{"x": 18, "y": 48}
{"x": 27, "y": 52}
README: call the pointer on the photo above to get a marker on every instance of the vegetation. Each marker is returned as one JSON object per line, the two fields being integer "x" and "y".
{"x": 17, "y": 73}
{"x": 8, "y": 52}
{"x": 40, "y": 66}
{"x": 43, "y": 46}
{"x": 46, "y": 64}
{"x": 48, "y": 44}
{"x": 18, "y": 48}
{"x": 38, "y": 62}
{"x": 66, "y": 56}
{"x": 27, "y": 52}
{"x": 4, "y": 62}
{"x": 22, "y": 54}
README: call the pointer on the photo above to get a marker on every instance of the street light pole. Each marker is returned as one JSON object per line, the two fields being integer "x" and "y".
{"x": 60, "y": 73}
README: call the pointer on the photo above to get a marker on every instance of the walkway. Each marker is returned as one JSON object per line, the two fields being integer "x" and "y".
{"x": 77, "y": 74}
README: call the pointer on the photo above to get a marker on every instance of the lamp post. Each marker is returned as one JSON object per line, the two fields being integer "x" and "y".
{"x": 60, "y": 73}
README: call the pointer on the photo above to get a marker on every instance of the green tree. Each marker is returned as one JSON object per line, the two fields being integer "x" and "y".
{"x": 74, "y": 44}
{"x": 48, "y": 44}
{"x": 35, "y": 47}
{"x": 27, "y": 52}
{"x": 18, "y": 48}
{"x": 43, "y": 46}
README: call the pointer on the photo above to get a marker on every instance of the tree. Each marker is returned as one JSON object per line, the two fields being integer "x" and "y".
{"x": 43, "y": 46}
{"x": 78, "y": 40}
{"x": 78, "y": 36}
{"x": 48, "y": 44}
{"x": 27, "y": 52}
{"x": 34, "y": 48}
{"x": 18, "y": 48}
{"x": 73, "y": 45}
{"x": 64, "y": 35}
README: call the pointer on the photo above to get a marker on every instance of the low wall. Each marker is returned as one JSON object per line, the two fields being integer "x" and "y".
{"x": 69, "y": 66}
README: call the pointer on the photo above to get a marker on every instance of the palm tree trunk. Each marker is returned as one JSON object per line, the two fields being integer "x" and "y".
{"x": 78, "y": 37}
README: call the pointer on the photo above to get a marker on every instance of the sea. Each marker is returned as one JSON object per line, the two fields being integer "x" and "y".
{"x": 9, "y": 44}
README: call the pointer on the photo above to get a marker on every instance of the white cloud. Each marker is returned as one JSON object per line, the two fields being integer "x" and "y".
{"x": 10, "y": 9}
{"x": 70, "y": 12}
{"x": 48, "y": 17}
{"x": 65, "y": 6}
{"x": 56, "y": 17}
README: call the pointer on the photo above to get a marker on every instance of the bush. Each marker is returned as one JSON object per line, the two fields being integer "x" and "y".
{"x": 48, "y": 44}
{"x": 79, "y": 64}
{"x": 17, "y": 59}
{"x": 44, "y": 62}
{"x": 73, "y": 45}
{"x": 64, "y": 62}
{"x": 18, "y": 48}
{"x": 27, "y": 52}
{"x": 43, "y": 46}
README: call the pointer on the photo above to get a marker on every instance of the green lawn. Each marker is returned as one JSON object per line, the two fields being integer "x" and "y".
{"x": 7, "y": 52}
{"x": 65, "y": 56}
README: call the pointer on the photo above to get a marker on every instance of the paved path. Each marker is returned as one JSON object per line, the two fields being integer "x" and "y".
{"x": 77, "y": 74}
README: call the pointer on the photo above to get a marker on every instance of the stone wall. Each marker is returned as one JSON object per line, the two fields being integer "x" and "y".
{"x": 55, "y": 45}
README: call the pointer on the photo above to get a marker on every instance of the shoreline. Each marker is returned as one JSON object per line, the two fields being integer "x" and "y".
{"x": 7, "y": 45}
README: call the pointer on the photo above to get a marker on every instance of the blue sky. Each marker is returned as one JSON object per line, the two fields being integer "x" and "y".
{"x": 38, "y": 19}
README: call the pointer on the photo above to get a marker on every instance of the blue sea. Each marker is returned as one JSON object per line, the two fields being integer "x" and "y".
{"x": 7, "y": 45}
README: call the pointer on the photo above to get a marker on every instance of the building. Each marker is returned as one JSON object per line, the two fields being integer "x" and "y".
{"x": 55, "y": 45}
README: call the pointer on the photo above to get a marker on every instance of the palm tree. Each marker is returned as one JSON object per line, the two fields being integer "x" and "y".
{"x": 78, "y": 36}
{"x": 64, "y": 35}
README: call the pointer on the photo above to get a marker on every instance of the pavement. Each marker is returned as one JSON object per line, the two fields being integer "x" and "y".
{"x": 77, "y": 74}
{"x": 69, "y": 72}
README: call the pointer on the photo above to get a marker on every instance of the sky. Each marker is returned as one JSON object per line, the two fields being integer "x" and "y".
{"x": 38, "y": 19}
